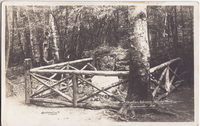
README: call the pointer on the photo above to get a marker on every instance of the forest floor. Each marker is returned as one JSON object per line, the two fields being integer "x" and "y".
{"x": 18, "y": 113}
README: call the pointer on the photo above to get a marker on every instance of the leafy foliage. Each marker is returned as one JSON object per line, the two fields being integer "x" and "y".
{"x": 83, "y": 28}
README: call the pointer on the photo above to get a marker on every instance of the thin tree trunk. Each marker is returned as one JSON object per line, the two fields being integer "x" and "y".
{"x": 45, "y": 50}
{"x": 117, "y": 27}
{"x": 191, "y": 11}
{"x": 59, "y": 40}
{"x": 11, "y": 55}
{"x": 168, "y": 21}
{"x": 32, "y": 37}
{"x": 8, "y": 11}
{"x": 182, "y": 24}
{"x": 172, "y": 27}
{"x": 165, "y": 24}
{"x": 55, "y": 38}
{"x": 19, "y": 37}
{"x": 176, "y": 30}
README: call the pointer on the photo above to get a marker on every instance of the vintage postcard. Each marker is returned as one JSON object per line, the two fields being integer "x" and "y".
{"x": 100, "y": 63}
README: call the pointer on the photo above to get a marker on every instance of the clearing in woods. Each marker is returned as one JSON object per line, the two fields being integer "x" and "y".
{"x": 181, "y": 100}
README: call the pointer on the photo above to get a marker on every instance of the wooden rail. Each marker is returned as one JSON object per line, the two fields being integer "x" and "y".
{"x": 77, "y": 74}
{"x": 85, "y": 72}
{"x": 104, "y": 73}
{"x": 64, "y": 63}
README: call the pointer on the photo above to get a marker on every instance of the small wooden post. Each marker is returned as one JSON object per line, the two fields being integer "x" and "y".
{"x": 167, "y": 80}
{"x": 27, "y": 66}
{"x": 68, "y": 79}
{"x": 74, "y": 90}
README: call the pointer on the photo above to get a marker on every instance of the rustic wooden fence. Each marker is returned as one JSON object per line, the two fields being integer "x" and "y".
{"x": 72, "y": 76}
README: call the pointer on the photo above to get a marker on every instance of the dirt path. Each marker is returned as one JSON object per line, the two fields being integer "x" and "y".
{"x": 19, "y": 114}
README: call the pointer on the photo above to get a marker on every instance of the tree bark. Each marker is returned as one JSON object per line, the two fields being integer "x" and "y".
{"x": 46, "y": 55}
{"x": 19, "y": 36}
{"x": 8, "y": 11}
{"x": 182, "y": 20}
{"x": 55, "y": 37}
{"x": 139, "y": 55}
{"x": 11, "y": 54}
{"x": 139, "y": 81}
{"x": 168, "y": 29}
{"x": 33, "y": 39}
{"x": 176, "y": 32}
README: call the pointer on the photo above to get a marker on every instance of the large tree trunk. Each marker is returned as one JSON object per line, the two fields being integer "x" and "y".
{"x": 139, "y": 57}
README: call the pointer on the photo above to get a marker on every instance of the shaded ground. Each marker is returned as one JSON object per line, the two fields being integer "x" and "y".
{"x": 181, "y": 100}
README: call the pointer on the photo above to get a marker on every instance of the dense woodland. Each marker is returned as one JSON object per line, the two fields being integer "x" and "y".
{"x": 136, "y": 38}
{"x": 51, "y": 34}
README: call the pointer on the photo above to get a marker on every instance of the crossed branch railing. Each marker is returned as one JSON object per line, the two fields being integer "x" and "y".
{"x": 75, "y": 77}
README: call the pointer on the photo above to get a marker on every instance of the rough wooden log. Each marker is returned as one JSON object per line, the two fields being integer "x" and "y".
{"x": 49, "y": 94}
{"x": 43, "y": 77}
{"x": 55, "y": 101}
{"x": 56, "y": 73}
{"x": 84, "y": 67}
{"x": 87, "y": 72}
{"x": 174, "y": 73}
{"x": 90, "y": 105}
{"x": 158, "y": 84}
{"x": 171, "y": 81}
{"x": 92, "y": 66}
{"x": 160, "y": 79}
{"x": 36, "y": 93}
{"x": 68, "y": 81}
{"x": 73, "y": 67}
{"x": 75, "y": 95}
{"x": 64, "y": 63}
{"x": 56, "y": 90}
{"x": 167, "y": 80}
{"x": 164, "y": 64}
{"x": 28, "y": 66}
{"x": 53, "y": 93}
{"x": 106, "y": 88}
{"x": 106, "y": 92}
{"x": 172, "y": 89}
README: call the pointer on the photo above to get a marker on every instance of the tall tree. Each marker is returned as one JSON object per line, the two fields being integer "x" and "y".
{"x": 9, "y": 26}
{"x": 19, "y": 35}
{"x": 55, "y": 37}
{"x": 182, "y": 21}
{"x": 12, "y": 30}
{"x": 139, "y": 57}
{"x": 33, "y": 39}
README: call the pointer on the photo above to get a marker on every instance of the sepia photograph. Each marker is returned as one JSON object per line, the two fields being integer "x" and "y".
{"x": 99, "y": 63}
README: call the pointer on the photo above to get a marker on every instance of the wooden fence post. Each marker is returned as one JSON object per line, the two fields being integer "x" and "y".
{"x": 27, "y": 66}
{"x": 167, "y": 80}
{"x": 74, "y": 90}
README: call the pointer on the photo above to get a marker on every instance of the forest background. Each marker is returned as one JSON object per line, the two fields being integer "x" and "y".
{"x": 52, "y": 34}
